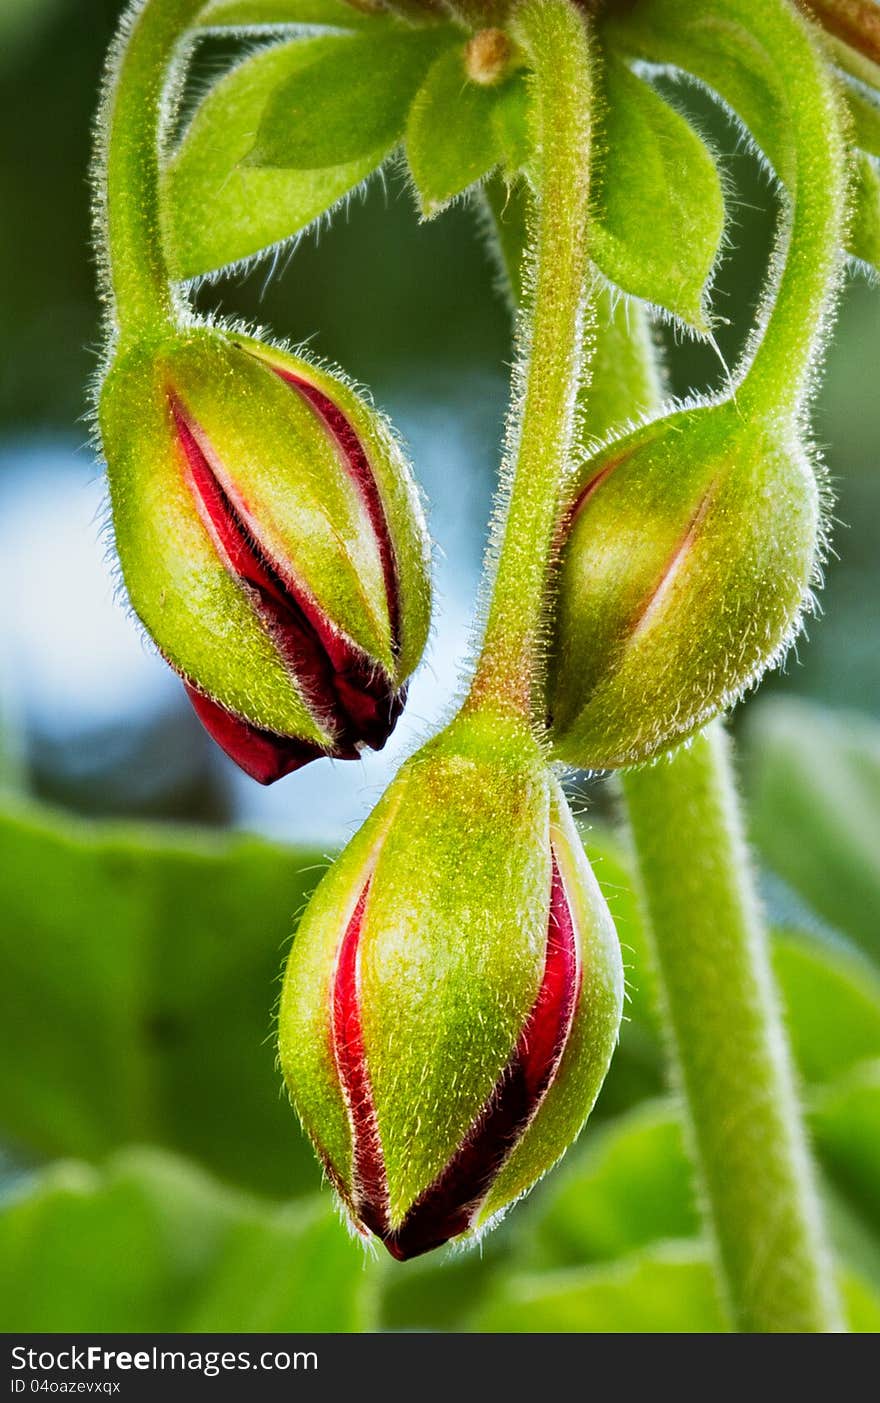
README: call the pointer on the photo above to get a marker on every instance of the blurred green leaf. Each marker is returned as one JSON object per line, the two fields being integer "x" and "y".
{"x": 18, "y": 19}
{"x": 815, "y": 809}
{"x": 864, "y": 234}
{"x": 245, "y": 14}
{"x": 138, "y": 970}
{"x": 832, "y": 1002}
{"x": 637, "y": 1069}
{"x": 669, "y": 1289}
{"x": 350, "y": 99}
{"x": 846, "y": 1124}
{"x": 630, "y": 1186}
{"x": 861, "y": 1303}
{"x": 654, "y": 169}
{"x": 458, "y": 131}
{"x": 152, "y": 1244}
{"x": 217, "y": 210}
{"x": 441, "y": 1290}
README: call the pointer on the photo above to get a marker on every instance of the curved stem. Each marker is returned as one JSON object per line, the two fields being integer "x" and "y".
{"x": 779, "y": 375}
{"x": 509, "y": 673}
{"x": 133, "y": 120}
{"x": 727, "y": 1042}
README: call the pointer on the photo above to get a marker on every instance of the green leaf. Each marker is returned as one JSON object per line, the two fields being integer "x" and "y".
{"x": 348, "y": 101}
{"x": 637, "y": 1070}
{"x": 630, "y": 1186}
{"x": 138, "y": 971}
{"x": 669, "y": 1289}
{"x": 832, "y": 1001}
{"x": 653, "y": 170}
{"x": 249, "y": 14}
{"x": 815, "y": 809}
{"x": 510, "y": 118}
{"x": 218, "y": 210}
{"x": 152, "y": 1244}
{"x": 846, "y": 1124}
{"x": 459, "y": 131}
{"x": 864, "y": 234}
{"x": 861, "y": 1303}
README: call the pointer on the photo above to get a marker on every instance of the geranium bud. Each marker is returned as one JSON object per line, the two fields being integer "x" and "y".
{"x": 453, "y": 994}
{"x": 271, "y": 542}
{"x": 686, "y": 563}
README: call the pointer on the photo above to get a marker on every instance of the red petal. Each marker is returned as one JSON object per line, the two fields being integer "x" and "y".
{"x": 261, "y": 754}
{"x": 368, "y": 1195}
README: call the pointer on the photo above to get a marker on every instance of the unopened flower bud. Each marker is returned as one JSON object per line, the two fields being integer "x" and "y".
{"x": 686, "y": 563}
{"x": 453, "y": 994}
{"x": 271, "y": 542}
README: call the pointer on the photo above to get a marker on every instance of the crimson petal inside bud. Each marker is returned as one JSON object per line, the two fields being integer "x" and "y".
{"x": 352, "y": 697}
{"x": 449, "y": 1206}
{"x": 263, "y": 755}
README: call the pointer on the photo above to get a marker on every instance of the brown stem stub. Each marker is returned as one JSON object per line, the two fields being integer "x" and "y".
{"x": 487, "y": 56}
{"x": 856, "y": 22}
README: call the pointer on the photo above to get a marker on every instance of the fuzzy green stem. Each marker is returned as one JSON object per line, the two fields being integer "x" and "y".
{"x": 780, "y": 375}
{"x": 132, "y": 127}
{"x": 727, "y": 1042}
{"x": 509, "y": 674}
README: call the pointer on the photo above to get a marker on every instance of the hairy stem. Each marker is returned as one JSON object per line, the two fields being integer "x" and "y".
{"x": 780, "y": 375}
{"x": 132, "y": 126}
{"x": 727, "y": 1042}
{"x": 509, "y": 674}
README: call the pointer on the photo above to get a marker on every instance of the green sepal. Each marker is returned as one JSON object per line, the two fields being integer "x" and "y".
{"x": 458, "y": 131}
{"x": 683, "y": 576}
{"x": 595, "y": 1028}
{"x": 402, "y": 506}
{"x": 347, "y": 102}
{"x": 217, "y": 210}
{"x": 654, "y": 171}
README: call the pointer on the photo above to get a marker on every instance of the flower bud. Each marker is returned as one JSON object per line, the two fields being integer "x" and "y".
{"x": 453, "y": 994}
{"x": 271, "y": 542}
{"x": 686, "y": 563}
